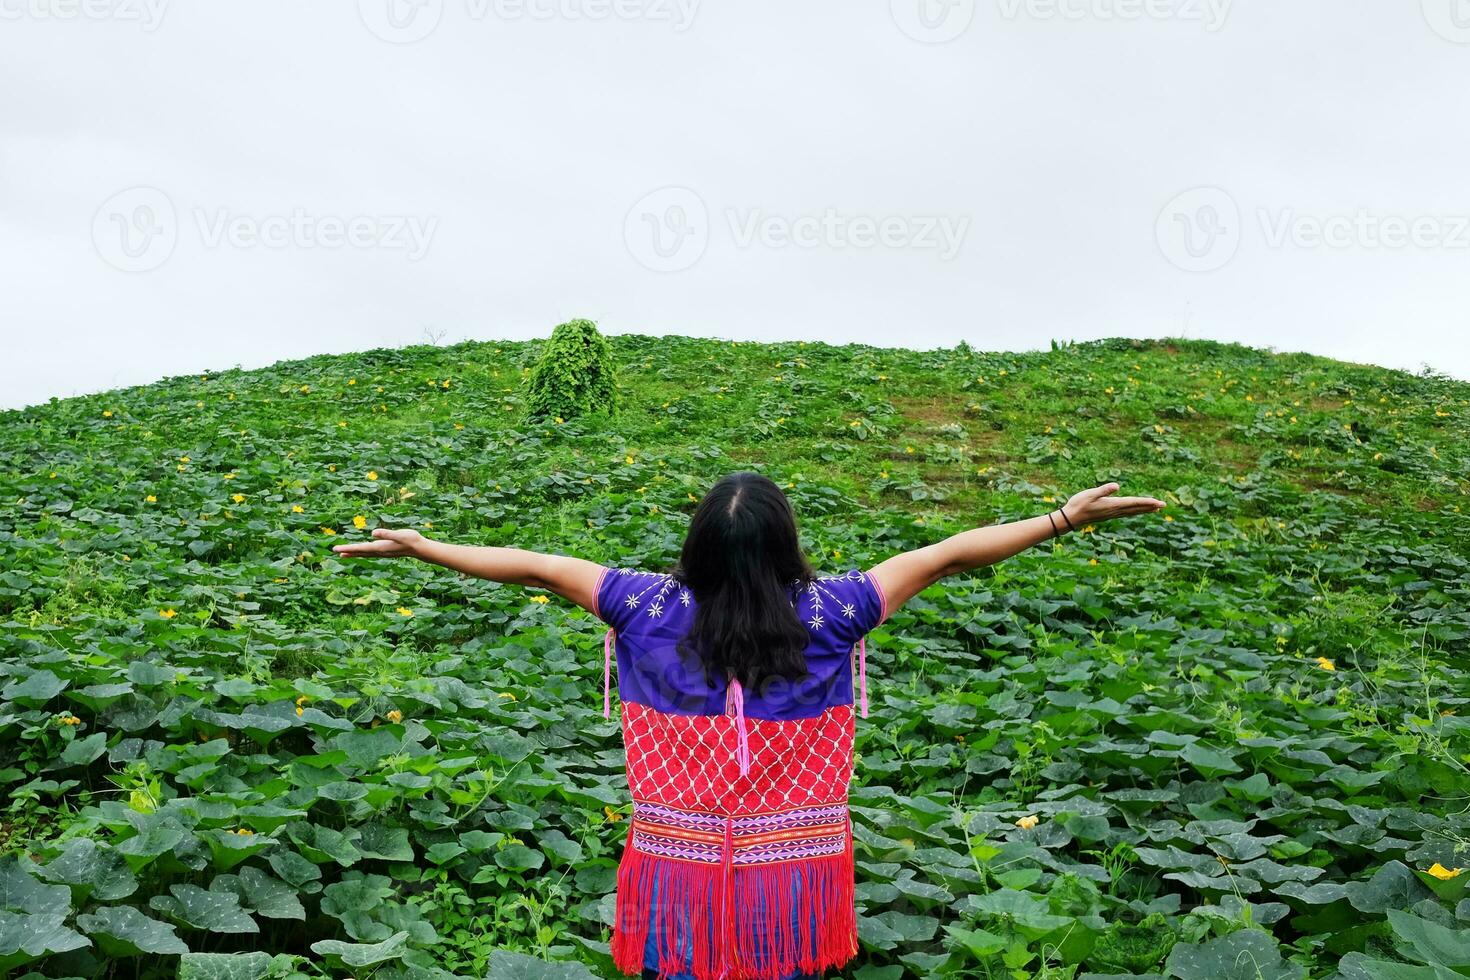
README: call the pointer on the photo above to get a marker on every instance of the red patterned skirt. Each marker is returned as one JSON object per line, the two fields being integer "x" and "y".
{"x": 730, "y": 870}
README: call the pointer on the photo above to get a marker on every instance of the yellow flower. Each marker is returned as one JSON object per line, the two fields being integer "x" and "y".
{"x": 303, "y": 699}
{"x": 1168, "y": 517}
{"x": 184, "y": 459}
{"x": 444, "y": 383}
{"x": 559, "y": 420}
{"x": 1442, "y": 873}
{"x": 1049, "y": 499}
{"x": 372, "y": 475}
{"x": 908, "y": 449}
{"x": 229, "y": 476}
{"x": 359, "y": 522}
{"x": 150, "y": 499}
{"x": 539, "y": 598}
{"x": 459, "y": 425}
{"x": 297, "y": 509}
{"x": 612, "y": 815}
{"x": 395, "y": 716}
{"x": 508, "y": 696}
{"x": 404, "y": 611}
{"x": 327, "y": 530}
{"x": 245, "y": 832}
{"x": 628, "y": 460}
{"x": 1027, "y": 822}
{"x": 167, "y": 613}
{"x": 107, "y": 414}
{"x": 300, "y": 711}
{"x": 238, "y": 498}
{"x": 1109, "y": 390}
{"x": 352, "y": 381}
{"x": 1326, "y": 664}
{"x": 1092, "y": 561}
{"x": 341, "y": 425}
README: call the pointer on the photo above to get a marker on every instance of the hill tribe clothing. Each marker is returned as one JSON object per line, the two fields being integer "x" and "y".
{"x": 738, "y": 862}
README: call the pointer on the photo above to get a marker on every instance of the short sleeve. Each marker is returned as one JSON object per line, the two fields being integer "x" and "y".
{"x": 622, "y": 593}
{"x": 852, "y": 603}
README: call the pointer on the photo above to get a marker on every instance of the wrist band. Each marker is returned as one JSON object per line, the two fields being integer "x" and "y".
{"x": 1054, "y": 532}
{"x": 1070, "y": 525}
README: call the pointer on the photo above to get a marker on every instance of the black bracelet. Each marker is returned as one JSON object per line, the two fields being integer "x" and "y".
{"x": 1054, "y": 532}
{"x": 1070, "y": 525}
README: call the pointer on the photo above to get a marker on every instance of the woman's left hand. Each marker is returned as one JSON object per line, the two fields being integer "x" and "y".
{"x": 386, "y": 543}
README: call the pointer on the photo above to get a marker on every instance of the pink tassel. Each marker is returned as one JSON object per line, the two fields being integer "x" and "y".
{"x": 607, "y": 639}
{"x": 742, "y": 739}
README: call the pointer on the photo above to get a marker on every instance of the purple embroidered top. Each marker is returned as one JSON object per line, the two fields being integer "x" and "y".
{"x": 650, "y": 611}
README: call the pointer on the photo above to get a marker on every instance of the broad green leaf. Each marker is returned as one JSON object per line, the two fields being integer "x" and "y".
{"x": 91, "y": 871}
{"x": 364, "y": 954}
{"x": 213, "y": 911}
{"x": 25, "y": 938}
{"x": 224, "y": 966}
{"x": 1245, "y": 955}
{"x": 121, "y": 930}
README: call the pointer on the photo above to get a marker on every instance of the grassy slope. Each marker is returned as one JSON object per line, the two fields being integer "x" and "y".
{"x": 1317, "y": 512}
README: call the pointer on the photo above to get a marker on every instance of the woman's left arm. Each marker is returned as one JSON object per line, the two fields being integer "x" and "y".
{"x": 571, "y": 578}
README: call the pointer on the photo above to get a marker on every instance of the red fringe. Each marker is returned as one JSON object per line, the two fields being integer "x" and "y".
{"x": 783, "y": 918}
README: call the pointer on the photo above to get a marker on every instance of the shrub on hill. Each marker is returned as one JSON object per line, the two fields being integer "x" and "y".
{"x": 574, "y": 376}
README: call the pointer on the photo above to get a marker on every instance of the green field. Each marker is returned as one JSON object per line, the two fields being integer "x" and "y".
{"x": 1242, "y": 729}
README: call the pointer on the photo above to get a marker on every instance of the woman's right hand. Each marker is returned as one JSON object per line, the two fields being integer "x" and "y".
{"x": 1099, "y": 504}
{"x": 386, "y": 543}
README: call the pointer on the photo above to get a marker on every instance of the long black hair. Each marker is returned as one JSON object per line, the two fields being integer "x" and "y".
{"x": 744, "y": 564}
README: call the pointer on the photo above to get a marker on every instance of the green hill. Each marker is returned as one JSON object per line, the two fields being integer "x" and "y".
{"x": 1241, "y": 728}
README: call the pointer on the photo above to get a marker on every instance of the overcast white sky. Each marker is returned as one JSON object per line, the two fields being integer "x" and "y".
{"x": 190, "y": 186}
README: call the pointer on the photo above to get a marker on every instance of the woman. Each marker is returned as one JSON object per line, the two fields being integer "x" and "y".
{"x": 736, "y": 681}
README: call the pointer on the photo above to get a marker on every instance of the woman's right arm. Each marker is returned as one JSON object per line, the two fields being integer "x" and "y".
{"x": 907, "y": 574}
